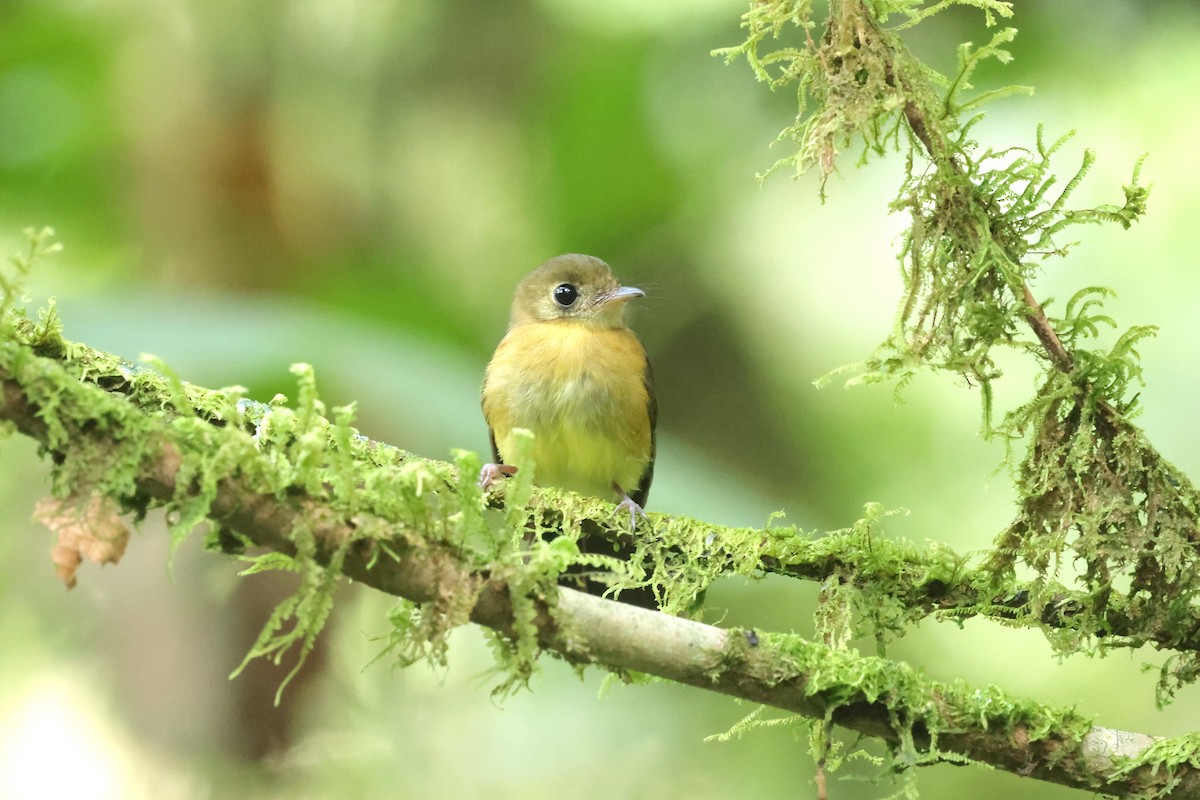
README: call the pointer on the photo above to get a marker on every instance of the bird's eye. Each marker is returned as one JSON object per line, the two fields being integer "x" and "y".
{"x": 565, "y": 295}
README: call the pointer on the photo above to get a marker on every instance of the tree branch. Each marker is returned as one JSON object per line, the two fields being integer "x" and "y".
{"x": 58, "y": 396}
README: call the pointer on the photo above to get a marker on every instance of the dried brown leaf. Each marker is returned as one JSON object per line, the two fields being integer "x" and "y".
{"x": 91, "y": 528}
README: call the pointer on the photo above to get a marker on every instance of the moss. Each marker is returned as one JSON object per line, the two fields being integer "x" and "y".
{"x": 1166, "y": 759}
{"x": 108, "y": 423}
{"x": 1093, "y": 490}
{"x": 920, "y": 714}
{"x": 292, "y": 450}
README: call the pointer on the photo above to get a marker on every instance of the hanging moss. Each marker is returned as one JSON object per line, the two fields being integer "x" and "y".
{"x": 1092, "y": 489}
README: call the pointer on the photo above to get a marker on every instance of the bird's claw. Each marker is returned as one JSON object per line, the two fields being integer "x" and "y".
{"x": 629, "y": 504}
{"x": 493, "y": 472}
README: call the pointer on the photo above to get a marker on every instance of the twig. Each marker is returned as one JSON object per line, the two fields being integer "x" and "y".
{"x": 938, "y": 152}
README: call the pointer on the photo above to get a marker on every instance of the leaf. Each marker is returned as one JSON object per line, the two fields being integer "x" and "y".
{"x": 91, "y": 528}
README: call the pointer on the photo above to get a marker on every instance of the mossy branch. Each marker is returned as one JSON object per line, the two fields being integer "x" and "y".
{"x": 150, "y": 442}
{"x": 1092, "y": 489}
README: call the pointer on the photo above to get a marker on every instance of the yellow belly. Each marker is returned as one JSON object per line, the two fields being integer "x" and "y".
{"x": 582, "y": 392}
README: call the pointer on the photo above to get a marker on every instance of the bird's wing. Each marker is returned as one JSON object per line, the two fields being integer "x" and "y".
{"x": 643, "y": 488}
{"x": 495, "y": 450}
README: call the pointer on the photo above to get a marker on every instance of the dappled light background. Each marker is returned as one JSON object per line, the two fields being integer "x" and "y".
{"x": 359, "y": 185}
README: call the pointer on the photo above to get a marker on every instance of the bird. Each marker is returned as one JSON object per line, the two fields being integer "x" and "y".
{"x": 570, "y": 370}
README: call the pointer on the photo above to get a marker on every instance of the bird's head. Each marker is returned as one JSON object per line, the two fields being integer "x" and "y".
{"x": 572, "y": 287}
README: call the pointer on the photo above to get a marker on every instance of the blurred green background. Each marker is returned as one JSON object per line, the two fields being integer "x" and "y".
{"x": 359, "y": 184}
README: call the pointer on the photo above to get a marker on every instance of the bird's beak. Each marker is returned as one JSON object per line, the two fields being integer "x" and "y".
{"x": 621, "y": 293}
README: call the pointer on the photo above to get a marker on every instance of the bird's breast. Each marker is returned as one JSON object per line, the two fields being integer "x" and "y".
{"x": 582, "y": 391}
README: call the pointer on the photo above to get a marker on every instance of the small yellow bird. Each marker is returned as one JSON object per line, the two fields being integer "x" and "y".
{"x": 572, "y": 372}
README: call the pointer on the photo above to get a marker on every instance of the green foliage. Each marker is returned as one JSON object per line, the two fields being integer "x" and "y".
{"x": 418, "y": 633}
{"x": 846, "y": 609}
{"x": 108, "y": 422}
{"x": 828, "y": 751}
{"x": 1092, "y": 490}
{"x": 841, "y": 677}
{"x": 299, "y": 618}
{"x": 1095, "y": 492}
{"x": 753, "y": 722}
{"x": 843, "y": 84}
{"x": 132, "y": 412}
{"x": 40, "y": 245}
{"x": 855, "y": 80}
{"x": 322, "y": 468}
{"x": 1166, "y": 757}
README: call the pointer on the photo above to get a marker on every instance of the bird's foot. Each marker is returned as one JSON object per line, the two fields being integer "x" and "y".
{"x": 493, "y": 472}
{"x": 629, "y": 504}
